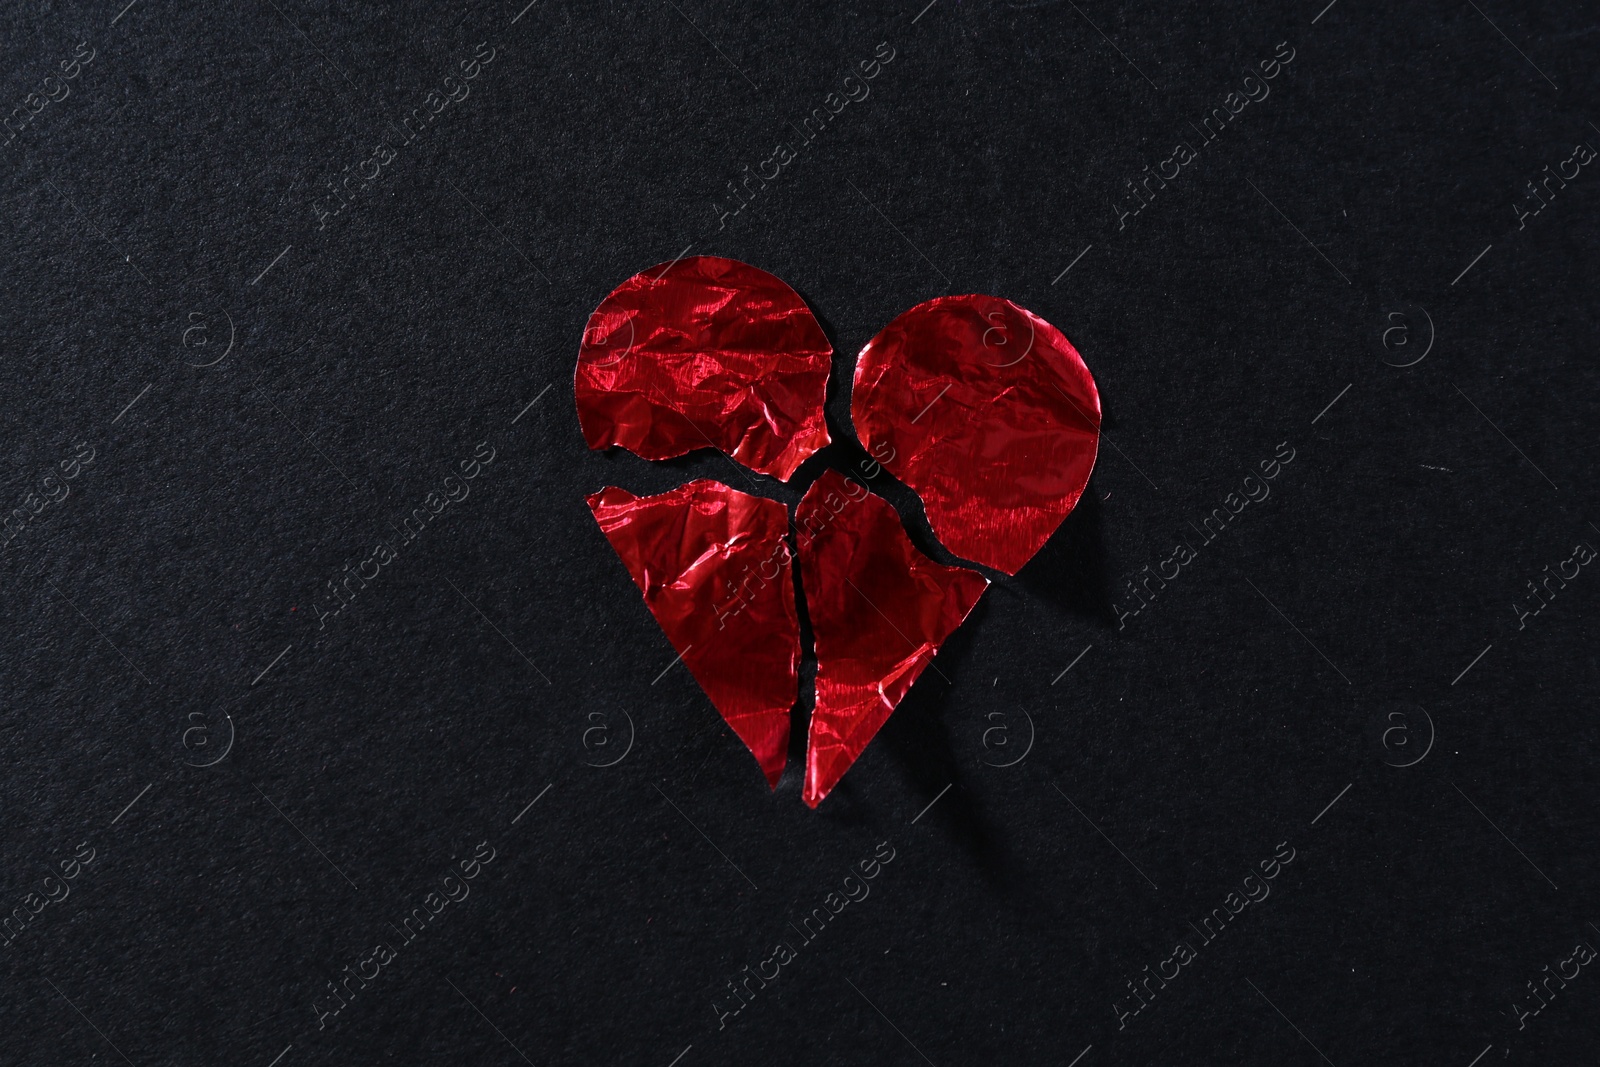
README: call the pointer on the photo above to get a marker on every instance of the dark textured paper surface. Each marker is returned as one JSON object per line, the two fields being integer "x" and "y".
{"x": 304, "y": 610}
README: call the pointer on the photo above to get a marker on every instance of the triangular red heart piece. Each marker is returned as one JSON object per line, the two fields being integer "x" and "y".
{"x": 714, "y": 565}
{"x": 988, "y": 412}
{"x": 879, "y": 610}
{"x": 705, "y": 352}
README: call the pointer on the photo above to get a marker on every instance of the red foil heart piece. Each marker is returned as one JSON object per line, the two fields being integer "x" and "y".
{"x": 879, "y": 610}
{"x": 705, "y": 353}
{"x": 988, "y": 412}
{"x": 715, "y": 568}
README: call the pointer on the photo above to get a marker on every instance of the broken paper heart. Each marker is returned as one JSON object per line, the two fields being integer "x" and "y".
{"x": 1005, "y": 423}
{"x": 879, "y": 610}
{"x": 718, "y": 355}
{"x": 687, "y": 551}
{"x": 980, "y": 406}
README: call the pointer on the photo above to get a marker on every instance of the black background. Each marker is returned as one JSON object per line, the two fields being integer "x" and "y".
{"x": 169, "y": 602}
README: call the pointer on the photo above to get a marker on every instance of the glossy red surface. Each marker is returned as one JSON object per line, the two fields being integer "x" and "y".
{"x": 879, "y": 609}
{"x": 988, "y": 412}
{"x": 705, "y": 353}
{"x": 716, "y": 571}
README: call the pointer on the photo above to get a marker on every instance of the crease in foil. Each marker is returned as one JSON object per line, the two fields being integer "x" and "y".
{"x": 715, "y": 568}
{"x": 705, "y": 352}
{"x": 989, "y": 414}
{"x": 879, "y": 611}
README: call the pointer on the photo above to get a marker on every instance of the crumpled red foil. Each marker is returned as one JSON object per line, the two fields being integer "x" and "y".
{"x": 715, "y": 568}
{"x": 879, "y": 611}
{"x": 705, "y": 353}
{"x": 988, "y": 412}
